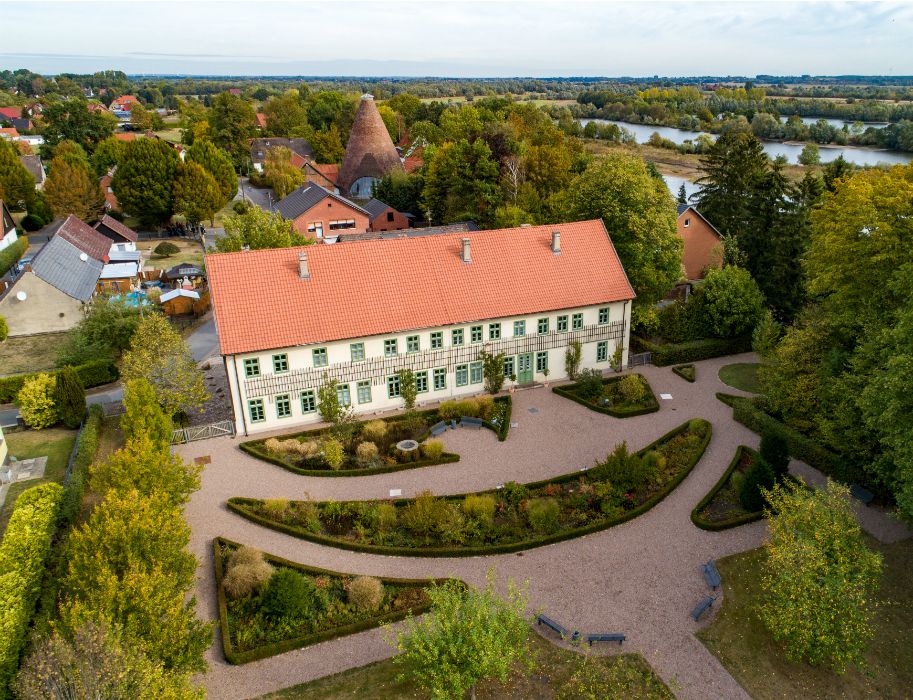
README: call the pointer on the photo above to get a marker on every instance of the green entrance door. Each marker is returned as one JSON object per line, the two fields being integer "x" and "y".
{"x": 525, "y": 368}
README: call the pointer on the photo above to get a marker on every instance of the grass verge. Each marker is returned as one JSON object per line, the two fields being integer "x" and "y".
{"x": 741, "y": 375}
{"x": 30, "y": 353}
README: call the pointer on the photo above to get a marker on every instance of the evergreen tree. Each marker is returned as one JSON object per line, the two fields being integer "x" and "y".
{"x": 682, "y": 194}
{"x": 836, "y": 169}
{"x": 196, "y": 193}
{"x": 17, "y": 186}
{"x": 70, "y": 397}
{"x": 107, "y": 154}
{"x": 217, "y": 164}
{"x": 144, "y": 180}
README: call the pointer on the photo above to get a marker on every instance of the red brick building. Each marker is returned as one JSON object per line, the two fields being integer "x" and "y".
{"x": 322, "y": 214}
{"x": 703, "y": 243}
{"x": 383, "y": 217}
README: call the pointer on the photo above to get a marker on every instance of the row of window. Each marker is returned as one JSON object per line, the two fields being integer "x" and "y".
{"x": 320, "y": 358}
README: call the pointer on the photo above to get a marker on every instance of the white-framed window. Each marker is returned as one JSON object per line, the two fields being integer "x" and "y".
{"x": 462, "y": 375}
{"x": 602, "y": 351}
{"x": 393, "y": 386}
{"x": 440, "y": 379}
{"x": 342, "y": 393}
{"x": 319, "y": 355}
{"x": 252, "y": 367}
{"x": 475, "y": 334}
{"x": 475, "y": 372}
{"x": 358, "y": 352}
{"x": 338, "y": 224}
{"x": 456, "y": 337}
{"x": 364, "y": 391}
{"x": 413, "y": 344}
{"x": 494, "y": 331}
{"x": 519, "y": 328}
{"x": 280, "y": 363}
{"x": 390, "y": 349}
{"x": 308, "y": 401}
{"x": 603, "y": 315}
{"x": 283, "y": 406}
{"x": 421, "y": 382}
{"x": 576, "y": 322}
{"x": 255, "y": 409}
{"x": 687, "y": 223}
{"x": 562, "y": 324}
{"x": 541, "y": 361}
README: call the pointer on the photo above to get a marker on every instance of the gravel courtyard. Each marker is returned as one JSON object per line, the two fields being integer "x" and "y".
{"x": 640, "y": 578}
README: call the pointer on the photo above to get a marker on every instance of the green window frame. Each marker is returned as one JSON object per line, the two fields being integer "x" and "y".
{"x": 439, "y": 378}
{"x": 283, "y": 406}
{"x": 255, "y": 410}
{"x": 456, "y": 337}
{"x": 494, "y": 331}
{"x": 393, "y": 386}
{"x": 519, "y": 328}
{"x": 343, "y": 394}
{"x": 509, "y": 367}
{"x": 602, "y": 351}
{"x": 421, "y": 382}
{"x": 603, "y": 315}
{"x": 364, "y": 391}
{"x": 576, "y": 322}
{"x": 462, "y": 375}
{"x": 542, "y": 326}
{"x": 357, "y": 351}
{"x": 320, "y": 357}
{"x": 475, "y": 334}
{"x": 390, "y": 348}
{"x": 280, "y": 363}
{"x": 413, "y": 343}
{"x": 252, "y": 367}
{"x": 437, "y": 340}
{"x": 308, "y": 401}
{"x": 475, "y": 373}
{"x": 541, "y": 361}
{"x": 562, "y": 324}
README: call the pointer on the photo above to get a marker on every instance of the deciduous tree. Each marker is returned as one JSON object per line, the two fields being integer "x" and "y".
{"x": 258, "y": 229}
{"x": 17, "y": 186}
{"x": 232, "y": 121}
{"x": 71, "y": 189}
{"x": 283, "y": 175}
{"x": 217, "y": 164}
{"x": 462, "y": 182}
{"x": 36, "y": 401}
{"x": 196, "y": 193}
{"x": 143, "y": 417}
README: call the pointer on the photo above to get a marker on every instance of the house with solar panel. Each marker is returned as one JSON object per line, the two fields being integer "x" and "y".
{"x": 361, "y": 311}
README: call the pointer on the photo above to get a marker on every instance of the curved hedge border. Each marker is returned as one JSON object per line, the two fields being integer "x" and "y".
{"x": 705, "y": 501}
{"x": 693, "y": 350}
{"x": 243, "y": 657}
{"x": 240, "y": 506}
{"x": 682, "y": 371}
{"x": 23, "y": 553}
{"x": 651, "y": 407}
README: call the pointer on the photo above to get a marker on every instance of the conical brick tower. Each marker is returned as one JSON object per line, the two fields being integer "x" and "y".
{"x": 370, "y": 153}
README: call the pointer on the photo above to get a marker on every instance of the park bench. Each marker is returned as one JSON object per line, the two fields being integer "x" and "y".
{"x": 605, "y": 637}
{"x": 557, "y": 628}
{"x": 699, "y": 609}
{"x": 469, "y": 420}
{"x": 438, "y": 428}
{"x": 711, "y": 574}
{"x": 861, "y": 494}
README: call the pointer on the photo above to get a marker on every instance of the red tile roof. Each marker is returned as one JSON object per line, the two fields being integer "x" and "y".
{"x": 386, "y": 286}
{"x": 413, "y": 163}
{"x": 125, "y": 136}
{"x": 117, "y": 227}
{"x": 261, "y": 120}
{"x": 124, "y": 103}
{"x": 9, "y": 131}
{"x": 10, "y": 112}
{"x": 86, "y": 238}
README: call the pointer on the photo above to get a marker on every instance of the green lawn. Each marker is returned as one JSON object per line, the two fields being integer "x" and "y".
{"x": 744, "y": 647}
{"x": 555, "y": 666}
{"x": 741, "y": 375}
{"x": 190, "y": 252}
{"x": 56, "y": 443}
{"x": 30, "y": 353}
{"x": 171, "y": 135}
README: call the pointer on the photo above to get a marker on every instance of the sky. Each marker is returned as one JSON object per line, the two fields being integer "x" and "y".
{"x": 460, "y": 39}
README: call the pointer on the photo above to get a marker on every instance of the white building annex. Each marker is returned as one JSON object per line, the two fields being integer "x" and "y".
{"x": 288, "y": 319}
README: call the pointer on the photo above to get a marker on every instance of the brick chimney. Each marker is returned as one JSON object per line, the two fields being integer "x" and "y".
{"x": 466, "y": 255}
{"x": 556, "y": 242}
{"x": 303, "y": 271}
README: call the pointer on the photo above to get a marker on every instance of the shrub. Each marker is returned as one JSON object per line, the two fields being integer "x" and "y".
{"x": 452, "y": 525}
{"x": 290, "y": 595}
{"x": 626, "y": 470}
{"x": 449, "y": 410}
{"x": 308, "y": 449}
{"x": 572, "y": 357}
{"x": 12, "y": 253}
{"x": 486, "y": 407}
{"x": 36, "y": 401}
{"x": 166, "y": 248}
{"x": 366, "y": 593}
{"x": 775, "y": 451}
{"x": 333, "y": 453}
{"x": 480, "y": 507}
{"x": 385, "y": 517}
{"x": 433, "y": 448}
{"x": 273, "y": 446}
{"x": 631, "y": 388}
{"x": 424, "y": 515}
{"x": 276, "y": 507}
{"x": 246, "y": 573}
{"x": 760, "y": 475}
{"x": 542, "y": 514}
{"x": 733, "y": 302}
{"x": 694, "y": 350}
{"x": 70, "y": 398}
{"x": 366, "y": 452}
{"x": 239, "y": 207}
{"x": 374, "y": 430}
{"x": 589, "y": 384}
{"x": 31, "y": 222}
{"x": 4, "y": 329}
{"x": 468, "y": 407}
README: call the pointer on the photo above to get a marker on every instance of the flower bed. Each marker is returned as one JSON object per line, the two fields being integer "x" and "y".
{"x": 721, "y": 508}
{"x": 266, "y": 621}
{"x": 686, "y": 372}
{"x": 508, "y": 519}
{"x": 619, "y": 396}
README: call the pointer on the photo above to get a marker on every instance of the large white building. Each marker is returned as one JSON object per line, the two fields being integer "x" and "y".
{"x": 359, "y": 312}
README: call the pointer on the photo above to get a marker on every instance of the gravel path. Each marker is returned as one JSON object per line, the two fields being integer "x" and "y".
{"x": 640, "y": 578}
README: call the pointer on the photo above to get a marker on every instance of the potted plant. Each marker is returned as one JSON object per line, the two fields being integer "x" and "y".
{"x": 513, "y": 379}
{"x": 616, "y": 358}
{"x": 545, "y": 374}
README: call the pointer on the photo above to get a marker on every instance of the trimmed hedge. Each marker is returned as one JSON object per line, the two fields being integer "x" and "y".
{"x": 651, "y": 406}
{"x": 23, "y": 553}
{"x": 240, "y": 506}
{"x": 686, "y": 372}
{"x": 693, "y": 350}
{"x": 239, "y": 657}
{"x": 92, "y": 373}
{"x": 705, "y": 501}
{"x": 12, "y": 253}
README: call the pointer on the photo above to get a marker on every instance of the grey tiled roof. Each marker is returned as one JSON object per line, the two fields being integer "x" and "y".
{"x": 682, "y": 208}
{"x": 305, "y": 197}
{"x": 59, "y": 263}
{"x": 33, "y": 165}
{"x": 375, "y": 207}
{"x": 259, "y": 147}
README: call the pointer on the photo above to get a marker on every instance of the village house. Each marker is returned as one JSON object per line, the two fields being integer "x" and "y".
{"x": 122, "y": 107}
{"x": 383, "y": 217}
{"x": 34, "y": 165}
{"x": 8, "y": 234}
{"x": 358, "y": 313}
{"x": 300, "y": 148}
{"x": 703, "y": 243}
{"x": 370, "y": 153}
{"x": 123, "y": 238}
{"x": 322, "y": 214}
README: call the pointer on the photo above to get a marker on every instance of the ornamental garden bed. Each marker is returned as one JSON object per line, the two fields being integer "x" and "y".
{"x": 507, "y": 519}
{"x": 721, "y": 508}
{"x": 686, "y": 372}
{"x": 269, "y": 605}
{"x": 620, "y": 396}
{"x": 376, "y": 446}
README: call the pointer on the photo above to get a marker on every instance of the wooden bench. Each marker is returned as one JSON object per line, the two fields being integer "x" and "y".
{"x": 699, "y": 609}
{"x": 469, "y": 420}
{"x": 438, "y": 428}
{"x": 711, "y": 574}
{"x": 604, "y": 637}
{"x": 557, "y": 628}
{"x": 861, "y": 494}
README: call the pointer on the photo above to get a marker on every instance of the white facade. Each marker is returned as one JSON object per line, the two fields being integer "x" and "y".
{"x": 277, "y": 389}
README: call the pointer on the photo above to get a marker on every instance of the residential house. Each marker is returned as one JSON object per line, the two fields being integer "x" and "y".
{"x": 315, "y": 210}
{"x": 8, "y": 234}
{"x": 703, "y": 243}
{"x": 300, "y": 148}
{"x": 9, "y": 133}
{"x": 111, "y": 203}
{"x": 383, "y": 217}
{"x": 123, "y": 238}
{"x": 122, "y": 107}
{"x": 7, "y": 114}
{"x": 289, "y": 319}
{"x": 36, "y": 168}
{"x": 324, "y": 175}
{"x": 370, "y": 153}
{"x": 261, "y": 120}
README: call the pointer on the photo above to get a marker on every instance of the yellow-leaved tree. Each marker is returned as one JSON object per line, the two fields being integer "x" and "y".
{"x": 36, "y": 401}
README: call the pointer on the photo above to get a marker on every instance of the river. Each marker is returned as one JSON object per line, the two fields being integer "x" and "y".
{"x": 856, "y": 155}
